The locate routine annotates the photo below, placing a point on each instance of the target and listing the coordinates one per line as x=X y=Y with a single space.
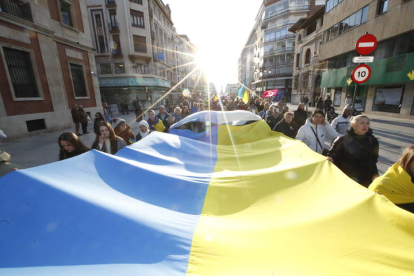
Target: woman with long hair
x=397 y=184
x=70 y=145
x=356 y=153
x=106 y=140
x=98 y=119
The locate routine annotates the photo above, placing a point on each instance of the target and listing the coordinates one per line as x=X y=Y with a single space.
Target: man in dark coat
x=83 y=117
x=287 y=126
x=327 y=104
x=76 y=118
x=163 y=116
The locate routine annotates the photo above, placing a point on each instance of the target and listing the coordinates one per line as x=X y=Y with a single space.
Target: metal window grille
x=21 y=73
x=78 y=80
x=17 y=8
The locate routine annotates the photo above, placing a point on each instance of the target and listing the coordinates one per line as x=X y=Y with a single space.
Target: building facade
x=308 y=69
x=46 y=65
x=232 y=90
x=140 y=57
x=268 y=55
x=390 y=89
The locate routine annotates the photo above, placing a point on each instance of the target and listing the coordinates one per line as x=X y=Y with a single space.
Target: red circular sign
x=361 y=73
x=366 y=44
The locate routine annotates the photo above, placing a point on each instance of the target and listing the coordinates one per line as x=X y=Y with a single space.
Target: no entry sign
x=366 y=44
x=361 y=73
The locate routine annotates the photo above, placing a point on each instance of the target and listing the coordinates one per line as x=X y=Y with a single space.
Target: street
x=393 y=136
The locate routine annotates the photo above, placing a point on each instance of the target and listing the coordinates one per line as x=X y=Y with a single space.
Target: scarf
x=152 y=124
x=396 y=185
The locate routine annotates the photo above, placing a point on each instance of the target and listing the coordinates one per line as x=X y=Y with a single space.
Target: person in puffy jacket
x=397 y=184
x=342 y=123
x=154 y=123
x=315 y=132
x=287 y=126
x=356 y=153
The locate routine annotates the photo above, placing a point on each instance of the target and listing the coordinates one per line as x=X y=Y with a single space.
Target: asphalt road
x=393 y=135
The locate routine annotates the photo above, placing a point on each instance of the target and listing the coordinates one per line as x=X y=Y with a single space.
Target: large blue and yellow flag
x=235 y=199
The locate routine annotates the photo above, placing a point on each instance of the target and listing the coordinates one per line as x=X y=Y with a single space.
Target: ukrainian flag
x=236 y=199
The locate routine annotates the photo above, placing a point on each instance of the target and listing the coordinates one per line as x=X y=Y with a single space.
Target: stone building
x=46 y=65
x=139 y=55
x=390 y=89
x=270 y=48
x=308 y=70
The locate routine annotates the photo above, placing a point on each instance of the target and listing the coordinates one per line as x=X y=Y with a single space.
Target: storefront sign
x=122 y=82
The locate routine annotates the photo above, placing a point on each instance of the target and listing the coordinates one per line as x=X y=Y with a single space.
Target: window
x=78 y=80
x=348 y=23
x=330 y=4
x=140 y=44
x=137 y=19
x=116 y=45
x=136 y=1
x=100 y=40
x=307 y=56
x=383 y=6
x=119 y=68
x=113 y=22
x=297 y=60
x=35 y=125
x=65 y=13
x=21 y=73
x=299 y=38
x=106 y=68
x=388 y=99
x=141 y=68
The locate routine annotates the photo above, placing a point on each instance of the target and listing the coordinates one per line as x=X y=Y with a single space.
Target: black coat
x=300 y=117
x=357 y=156
x=165 y=121
x=272 y=120
x=289 y=130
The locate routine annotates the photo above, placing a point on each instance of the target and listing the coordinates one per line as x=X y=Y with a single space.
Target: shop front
x=132 y=90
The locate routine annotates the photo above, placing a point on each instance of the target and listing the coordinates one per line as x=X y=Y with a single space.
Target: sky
x=219 y=29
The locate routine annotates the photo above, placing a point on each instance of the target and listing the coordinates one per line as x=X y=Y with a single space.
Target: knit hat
x=348 y=107
x=118 y=122
x=143 y=123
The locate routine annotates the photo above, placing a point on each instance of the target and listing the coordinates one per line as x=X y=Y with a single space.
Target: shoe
x=79 y=134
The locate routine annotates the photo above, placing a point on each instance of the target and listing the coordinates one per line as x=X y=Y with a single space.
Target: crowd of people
x=347 y=141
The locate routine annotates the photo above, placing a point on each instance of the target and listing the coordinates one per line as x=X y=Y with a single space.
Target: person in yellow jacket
x=155 y=124
x=397 y=184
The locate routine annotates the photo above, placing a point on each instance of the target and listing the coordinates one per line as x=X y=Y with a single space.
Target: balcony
x=111 y=3
x=113 y=27
x=279 y=50
x=17 y=8
x=117 y=53
x=280 y=38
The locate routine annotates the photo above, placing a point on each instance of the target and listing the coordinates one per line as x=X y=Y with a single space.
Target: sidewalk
x=44 y=149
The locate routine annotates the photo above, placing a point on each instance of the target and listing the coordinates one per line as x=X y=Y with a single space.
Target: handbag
x=324 y=150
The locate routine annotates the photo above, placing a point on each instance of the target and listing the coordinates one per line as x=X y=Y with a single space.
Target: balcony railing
x=17 y=8
x=287 y=9
x=276 y=51
x=280 y=38
x=110 y=3
x=113 y=27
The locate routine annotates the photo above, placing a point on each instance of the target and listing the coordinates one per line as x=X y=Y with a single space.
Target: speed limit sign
x=361 y=73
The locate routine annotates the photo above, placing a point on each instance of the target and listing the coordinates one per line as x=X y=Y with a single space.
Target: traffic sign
x=361 y=73
x=366 y=44
x=363 y=59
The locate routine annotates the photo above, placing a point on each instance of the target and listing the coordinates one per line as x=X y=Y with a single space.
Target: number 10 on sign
x=361 y=73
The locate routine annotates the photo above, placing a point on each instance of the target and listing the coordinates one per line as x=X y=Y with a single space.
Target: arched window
x=307 y=56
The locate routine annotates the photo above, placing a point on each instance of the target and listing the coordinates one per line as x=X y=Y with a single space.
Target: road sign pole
x=355 y=91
